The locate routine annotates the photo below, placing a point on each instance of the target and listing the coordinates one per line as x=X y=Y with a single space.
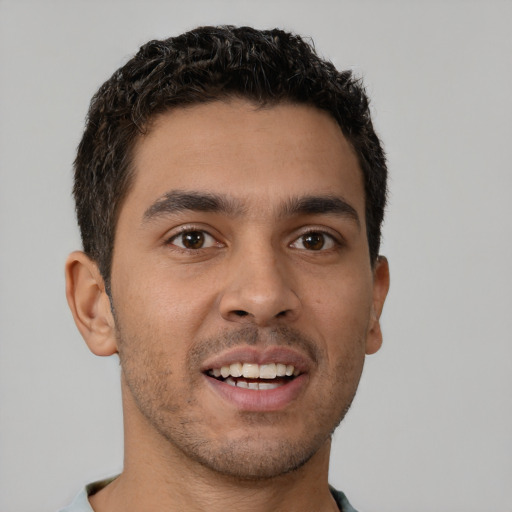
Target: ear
x=90 y=304
x=380 y=290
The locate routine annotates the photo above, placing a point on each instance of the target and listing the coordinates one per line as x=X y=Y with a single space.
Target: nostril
x=281 y=314
x=239 y=312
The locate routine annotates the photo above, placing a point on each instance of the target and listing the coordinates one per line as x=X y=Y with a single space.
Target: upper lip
x=246 y=354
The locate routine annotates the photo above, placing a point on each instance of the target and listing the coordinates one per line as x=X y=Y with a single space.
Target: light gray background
x=431 y=426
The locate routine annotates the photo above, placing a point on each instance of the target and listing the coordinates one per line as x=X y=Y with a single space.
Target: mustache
x=282 y=336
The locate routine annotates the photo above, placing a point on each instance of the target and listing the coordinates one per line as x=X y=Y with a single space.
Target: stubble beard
x=173 y=412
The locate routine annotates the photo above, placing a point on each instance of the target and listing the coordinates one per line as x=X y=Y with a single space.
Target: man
x=230 y=190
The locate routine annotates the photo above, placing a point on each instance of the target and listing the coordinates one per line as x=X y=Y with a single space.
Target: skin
x=256 y=282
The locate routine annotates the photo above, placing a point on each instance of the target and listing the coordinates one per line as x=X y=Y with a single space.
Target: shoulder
x=341 y=500
x=81 y=501
x=79 y=504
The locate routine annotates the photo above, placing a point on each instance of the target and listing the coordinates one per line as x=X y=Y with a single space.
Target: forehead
x=260 y=156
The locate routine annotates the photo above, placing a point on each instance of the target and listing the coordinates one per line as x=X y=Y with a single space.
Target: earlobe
x=90 y=304
x=380 y=291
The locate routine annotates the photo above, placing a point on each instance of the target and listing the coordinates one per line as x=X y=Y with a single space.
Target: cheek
x=345 y=316
x=344 y=301
x=166 y=300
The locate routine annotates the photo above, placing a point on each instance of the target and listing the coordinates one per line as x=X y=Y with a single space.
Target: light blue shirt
x=79 y=504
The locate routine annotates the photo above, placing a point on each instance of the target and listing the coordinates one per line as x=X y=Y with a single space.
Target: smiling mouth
x=255 y=376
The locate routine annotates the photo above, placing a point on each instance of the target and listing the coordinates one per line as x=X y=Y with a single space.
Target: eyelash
x=189 y=230
x=335 y=240
x=328 y=238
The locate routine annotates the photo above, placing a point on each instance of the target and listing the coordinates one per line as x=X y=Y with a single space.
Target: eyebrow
x=320 y=205
x=178 y=201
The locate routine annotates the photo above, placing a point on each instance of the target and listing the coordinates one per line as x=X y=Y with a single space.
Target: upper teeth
x=255 y=371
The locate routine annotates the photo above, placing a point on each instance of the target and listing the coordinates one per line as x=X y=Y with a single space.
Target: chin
x=257 y=461
x=254 y=456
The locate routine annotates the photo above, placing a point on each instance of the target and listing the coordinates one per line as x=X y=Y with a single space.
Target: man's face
x=241 y=248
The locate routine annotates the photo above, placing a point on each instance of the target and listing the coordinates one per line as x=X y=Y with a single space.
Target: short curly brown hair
x=203 y=65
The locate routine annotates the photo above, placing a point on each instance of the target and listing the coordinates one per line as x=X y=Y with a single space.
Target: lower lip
x=265 y=400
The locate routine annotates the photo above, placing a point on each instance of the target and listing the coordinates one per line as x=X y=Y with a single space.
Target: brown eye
x=193 y=240
x=314 y=241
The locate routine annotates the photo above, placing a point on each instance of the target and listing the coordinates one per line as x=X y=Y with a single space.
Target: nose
x=259 y=290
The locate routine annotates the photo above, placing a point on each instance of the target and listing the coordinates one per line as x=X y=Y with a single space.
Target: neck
x=158 y=476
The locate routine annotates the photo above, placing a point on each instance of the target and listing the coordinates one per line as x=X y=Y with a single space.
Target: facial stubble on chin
x=173 y=412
